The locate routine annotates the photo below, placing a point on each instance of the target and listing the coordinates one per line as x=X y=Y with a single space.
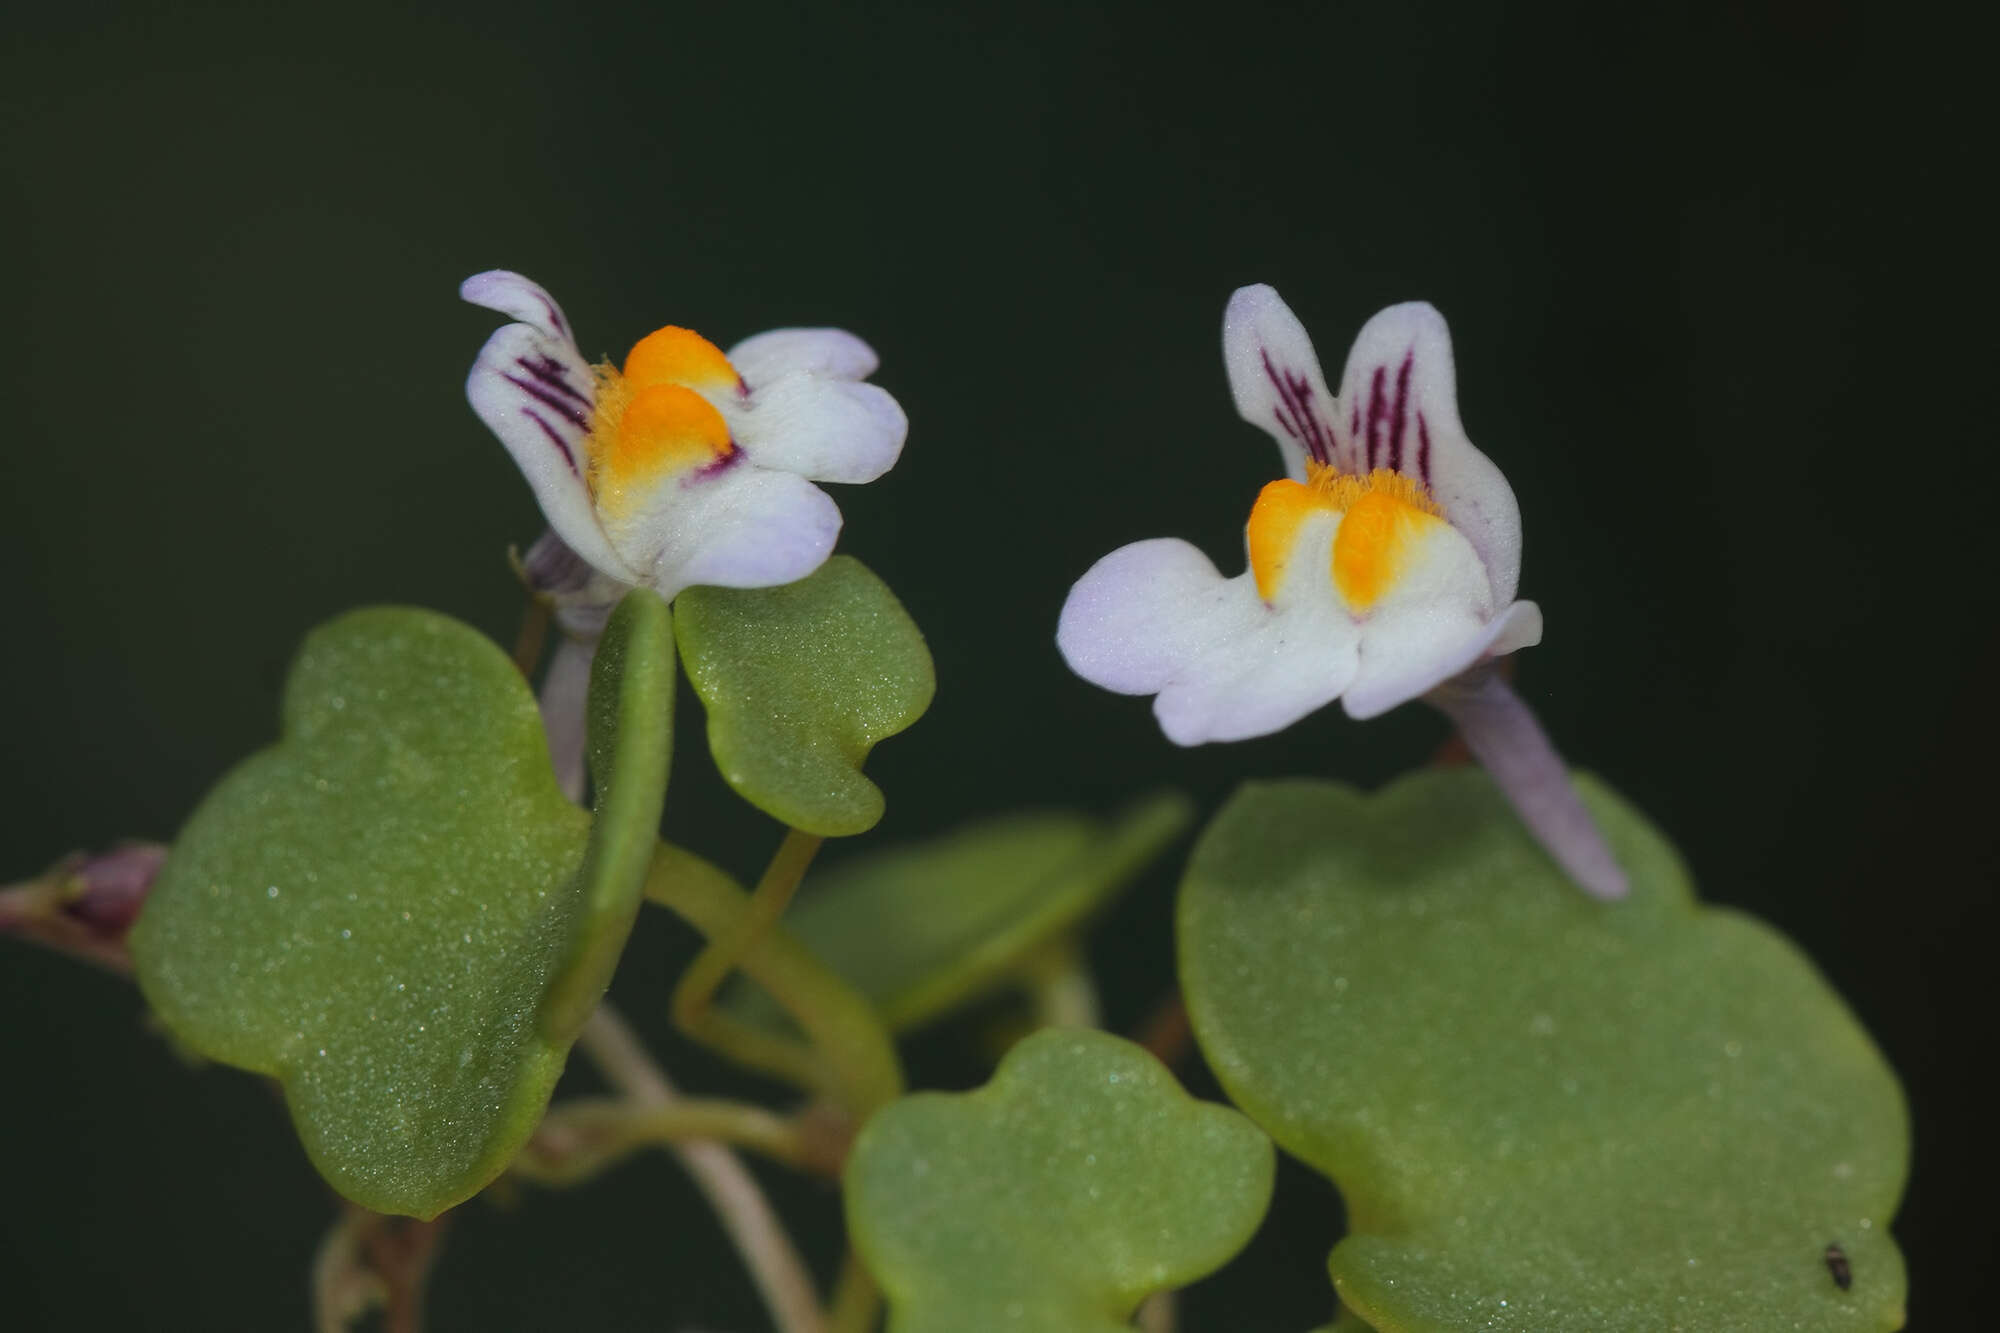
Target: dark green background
x=1715 y=313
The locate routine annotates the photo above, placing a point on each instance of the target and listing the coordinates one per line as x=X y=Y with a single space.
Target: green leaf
x=395 y=912
x=1056 y=1198
x=922 y=929
x=1545 y=1112
x=800 y=682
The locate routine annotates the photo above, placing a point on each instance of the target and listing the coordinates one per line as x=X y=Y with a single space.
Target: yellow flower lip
x=1384 y=516
x=655 y=417
x=674 y=355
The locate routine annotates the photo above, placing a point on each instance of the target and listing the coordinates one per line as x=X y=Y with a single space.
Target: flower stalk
x=1504 y=735
x=849 y=1055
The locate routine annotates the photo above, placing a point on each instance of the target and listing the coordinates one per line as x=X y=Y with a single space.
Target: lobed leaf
x=1545 y=1112
x=800 y=682
x=1077 y=1182
x=395 y=912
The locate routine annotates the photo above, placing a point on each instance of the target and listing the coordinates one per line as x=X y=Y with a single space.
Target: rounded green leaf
x=800 y=682
x=395 y=912
x=1545 y=1112
x=1079 y=1181
x=922 y=929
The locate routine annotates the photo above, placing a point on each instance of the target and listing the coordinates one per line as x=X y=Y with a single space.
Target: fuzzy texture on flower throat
x=1382 y=516
x=651 y=420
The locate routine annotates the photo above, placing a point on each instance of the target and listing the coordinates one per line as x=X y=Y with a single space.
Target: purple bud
x=85 y=904
x=581 y=595
x=111 y=887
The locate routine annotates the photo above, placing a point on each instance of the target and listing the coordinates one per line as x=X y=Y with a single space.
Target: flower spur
x=1382 y=568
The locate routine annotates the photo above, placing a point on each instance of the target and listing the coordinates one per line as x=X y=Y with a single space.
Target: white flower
x=1383 y=565
x=685 y=465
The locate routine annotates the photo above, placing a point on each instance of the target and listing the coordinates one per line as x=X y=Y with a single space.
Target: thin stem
x=857 y=1302
x=1156 y=1315
x=343 y=1288
x=767 y=903
x=1504 y=736
x=580 y=1138
x=773 y=1261
x=534 y=633
x=1064 y=992
x=370 y=1261
x=1167 y=1032
x=851 y=1059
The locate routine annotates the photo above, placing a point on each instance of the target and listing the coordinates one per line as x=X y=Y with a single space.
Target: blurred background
x=1715 y=311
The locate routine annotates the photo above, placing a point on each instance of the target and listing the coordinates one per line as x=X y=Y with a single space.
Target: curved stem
x=857 y=1302
x=371 y=1261
x=697 y=987
x=343 y=1289
x=773 y=1261
x=580 y=1138
x=851 y=1059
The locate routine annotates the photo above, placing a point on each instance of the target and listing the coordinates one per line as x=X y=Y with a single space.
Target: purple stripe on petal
x=555 y=315
x=1423 y=449
x=554 y=438
x=1295 y=392
x=1377 y=411
x=1399 y=424
x=549 y=371
x=709 y=471
x=554 y=402
x=1287 y=410
x=551 y=567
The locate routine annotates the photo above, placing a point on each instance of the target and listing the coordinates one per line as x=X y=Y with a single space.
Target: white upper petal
x=1399 y=401
x=535 y=392
x=824 y=429
x=744 y=527
x=1275 y=378
x=518 y=298
x=834 y=353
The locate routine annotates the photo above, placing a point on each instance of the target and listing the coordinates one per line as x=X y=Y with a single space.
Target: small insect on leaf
x=1836 y=1264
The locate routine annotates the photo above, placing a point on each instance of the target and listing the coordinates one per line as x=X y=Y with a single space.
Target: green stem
x=1064 y=992
x=857 y=1302
x=773 y=894
x=579 y=1139
x=851 y=1058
